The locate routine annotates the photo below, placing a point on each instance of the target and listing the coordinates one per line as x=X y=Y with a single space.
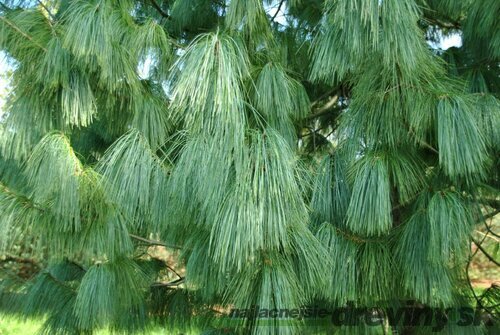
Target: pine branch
x=153 y=242
x=494 y=203
x=428 y=146
x=423 y=142
x=244 y=139
x=159 y=10
x=81 y=267
x=25 y=201
x=325 y=109
x=313 y=132
x=13 y=26
x=4 y=6
x=480 y=247
x=478 y=300
x=58 y=282
x=176 y=282
x=325 y=95
x=167 y=265
x=47 y=9
x=449 y=24
x=479 y=244
x=489 y=216
x=362 y=239
x=488 y=228
x=17 y=259
x=277 y=11
x=173 y=270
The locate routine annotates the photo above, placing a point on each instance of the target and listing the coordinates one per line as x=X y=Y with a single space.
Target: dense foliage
x=167 y=161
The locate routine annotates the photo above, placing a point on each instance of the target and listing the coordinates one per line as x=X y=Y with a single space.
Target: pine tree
x=282 y=154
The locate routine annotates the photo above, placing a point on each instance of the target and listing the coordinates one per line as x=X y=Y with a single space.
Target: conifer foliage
x=166 y=161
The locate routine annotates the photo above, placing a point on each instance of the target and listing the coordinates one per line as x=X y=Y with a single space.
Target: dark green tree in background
x=167 y=161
